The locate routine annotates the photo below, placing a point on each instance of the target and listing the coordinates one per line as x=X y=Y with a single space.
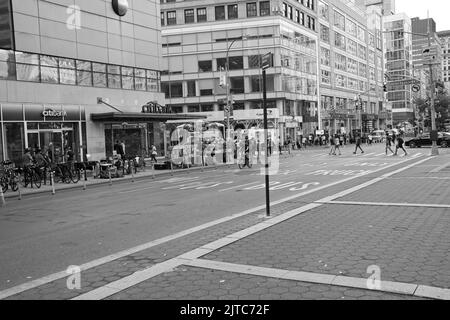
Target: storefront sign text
x=54 y=114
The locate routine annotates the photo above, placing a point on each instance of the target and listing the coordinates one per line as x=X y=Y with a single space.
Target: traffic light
x=385 y=87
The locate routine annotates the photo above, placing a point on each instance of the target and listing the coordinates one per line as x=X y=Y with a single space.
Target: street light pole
x=434 y=148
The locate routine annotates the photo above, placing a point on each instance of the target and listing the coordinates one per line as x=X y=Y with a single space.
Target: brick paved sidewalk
x=335 y=243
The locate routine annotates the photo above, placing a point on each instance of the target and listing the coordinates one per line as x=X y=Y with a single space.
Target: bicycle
x=31 y=177
x=246 y=162
x=9 y=177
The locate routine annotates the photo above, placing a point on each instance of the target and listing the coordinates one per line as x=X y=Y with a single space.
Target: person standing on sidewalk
x=399 y=145
x=358 y=144
x=153 y=154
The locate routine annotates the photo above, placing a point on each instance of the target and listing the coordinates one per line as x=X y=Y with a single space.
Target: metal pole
x=153 y=170
x=109 y=174
x=83 y=171
x=267 y=145
x=2 y=197
x=132 y=170
x=52 y=180
x=17 y=179
x=434 y=147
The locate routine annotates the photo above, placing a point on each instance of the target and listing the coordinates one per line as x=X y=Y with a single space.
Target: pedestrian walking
x=388 y=143
x=337 y=144
x=399 y=145
x=153 y=154
x=332 y=147
x=358 y=144
x=370 y=139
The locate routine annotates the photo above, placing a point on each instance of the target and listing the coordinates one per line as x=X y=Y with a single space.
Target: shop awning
x=134 y=117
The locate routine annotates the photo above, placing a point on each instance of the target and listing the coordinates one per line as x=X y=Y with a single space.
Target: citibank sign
x=120 y=7
x=54 y=114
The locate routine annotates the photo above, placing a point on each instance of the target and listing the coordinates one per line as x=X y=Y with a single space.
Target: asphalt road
x=42 y=234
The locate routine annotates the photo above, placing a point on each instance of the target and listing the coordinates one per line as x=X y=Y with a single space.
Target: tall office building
x=58 y=57
x=431 y=46
x=351 y=63
x=198 y=36
x=398 y=50
x=444 y=37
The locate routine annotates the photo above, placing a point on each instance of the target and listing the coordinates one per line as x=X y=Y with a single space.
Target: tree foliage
x=442 y=107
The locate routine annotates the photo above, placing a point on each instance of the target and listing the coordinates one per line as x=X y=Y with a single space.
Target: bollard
x=18 y=187
x=2 y=197
x=132 y=171
x=109 y=174
x=171 y=168
x=85 y=179
x=153 y=170
x=52 y=181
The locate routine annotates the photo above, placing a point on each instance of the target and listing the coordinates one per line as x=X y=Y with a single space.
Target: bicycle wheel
x=13 y=184
x=36 y=180
x=75 y=175
x=4 y=184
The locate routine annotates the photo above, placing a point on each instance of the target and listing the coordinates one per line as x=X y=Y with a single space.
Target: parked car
x=425 y=140
x=378 y=136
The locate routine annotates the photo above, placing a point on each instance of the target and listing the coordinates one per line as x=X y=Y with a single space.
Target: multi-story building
x=58 y=57
x=386 y=7
x=398 y=51
x=351 y=63
x=421 y=28
x=444 y=37
x=198 y=36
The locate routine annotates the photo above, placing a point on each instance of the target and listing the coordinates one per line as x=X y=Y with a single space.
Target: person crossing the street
x=388 y=143
x=399 y=145
x=358 y=144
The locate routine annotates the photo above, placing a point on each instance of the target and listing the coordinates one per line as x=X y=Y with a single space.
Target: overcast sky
x=439 y=10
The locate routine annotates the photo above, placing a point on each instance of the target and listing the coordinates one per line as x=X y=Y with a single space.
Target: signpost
x=267 y=62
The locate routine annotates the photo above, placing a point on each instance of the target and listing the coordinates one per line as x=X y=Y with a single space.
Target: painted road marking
x=310 y=277
x=240 y=186
x=98 y=262
x=338 y=172
x=130 y=281
x=388 y=204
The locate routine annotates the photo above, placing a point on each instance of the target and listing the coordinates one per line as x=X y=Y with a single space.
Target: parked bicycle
x=9 y=176
x=31 y=177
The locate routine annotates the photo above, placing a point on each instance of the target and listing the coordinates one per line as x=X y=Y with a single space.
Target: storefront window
x=15 y=142
x=1 y=142
x=7 y=66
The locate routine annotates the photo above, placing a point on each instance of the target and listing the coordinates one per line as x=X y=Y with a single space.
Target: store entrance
x=55 y=142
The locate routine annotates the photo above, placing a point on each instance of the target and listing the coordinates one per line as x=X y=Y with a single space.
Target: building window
x=232 y=11
x=67 y=72
x=252 y=10
x=289 y=15
x=362 y=52
x=264 y=8
x=340 y=62
x=302 y=18
x=205 y=66
x=324 y=33
x=285 y=13
x=171 y=18
x=114 y=79
x=352 y=28
x=255 y=84
x=194 y=108
x=341 y=81
x=352 y=47
x=237 y=85
x=254 y=61
x=176 y=90
x=189 y=16
x=324 y=56
x=236 y=63
x=201 y=15
x=297 y=16
x=162 y=19
x=339 y=41
x=311 y=23
x=49 y=69
x=326 y=77
x=191 y=88
x=339 y=20
x=99 y=75
x=323 y=10
x=220 y=13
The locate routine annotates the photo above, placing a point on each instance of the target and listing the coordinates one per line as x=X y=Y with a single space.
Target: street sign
x=415 y=88
x=267 y=61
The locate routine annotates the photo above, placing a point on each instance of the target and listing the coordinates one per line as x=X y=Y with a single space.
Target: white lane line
x=387 y=204
x=240 y=186
x=132 y=280
x=440 y=168
x=308 y=277
x=95 y=263
x=432 y=292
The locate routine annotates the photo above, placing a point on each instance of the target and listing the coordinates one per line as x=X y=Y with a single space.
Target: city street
x=336 y=221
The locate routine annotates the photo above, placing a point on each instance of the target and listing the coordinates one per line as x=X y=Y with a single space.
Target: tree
x=441 y=105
